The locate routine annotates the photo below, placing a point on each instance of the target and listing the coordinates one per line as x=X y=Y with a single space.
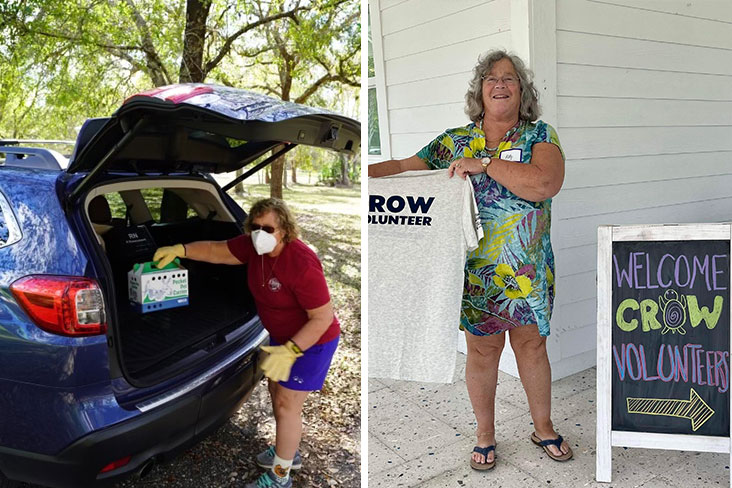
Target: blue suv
x=91 y=389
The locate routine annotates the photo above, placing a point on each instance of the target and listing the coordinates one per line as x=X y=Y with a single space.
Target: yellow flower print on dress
x=474 y=147
x=513 y=286
x=477 y=144
x=503 y=146
x=448 y=143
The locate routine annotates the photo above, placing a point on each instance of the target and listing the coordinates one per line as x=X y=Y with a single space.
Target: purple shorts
x=309 y=371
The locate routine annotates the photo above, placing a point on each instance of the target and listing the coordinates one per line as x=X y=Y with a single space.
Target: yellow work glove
x=278 y=363
x=165 y=255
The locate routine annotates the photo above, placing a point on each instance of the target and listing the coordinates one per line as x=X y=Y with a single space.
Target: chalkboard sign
x=670 y=337
x=663 y=339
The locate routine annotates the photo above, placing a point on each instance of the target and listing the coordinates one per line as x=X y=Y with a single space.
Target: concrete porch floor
x=421 y=434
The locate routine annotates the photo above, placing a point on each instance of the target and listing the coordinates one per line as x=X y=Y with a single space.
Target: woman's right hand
x=165 y=255
x=464 y=167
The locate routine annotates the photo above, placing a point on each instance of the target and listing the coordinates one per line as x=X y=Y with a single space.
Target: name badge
x=511 y=155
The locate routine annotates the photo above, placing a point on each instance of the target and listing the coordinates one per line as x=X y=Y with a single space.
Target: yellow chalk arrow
x=694 y=408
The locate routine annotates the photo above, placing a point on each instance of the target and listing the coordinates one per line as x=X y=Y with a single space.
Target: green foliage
x=55 y=74
x=300 y=61
x=64 y=61
x=315 y=60
x=374 y=140
x=371 y=69
x=329 y=173
x=354 y=173
x=331 y=170
x=117 y=206
x=153 y=199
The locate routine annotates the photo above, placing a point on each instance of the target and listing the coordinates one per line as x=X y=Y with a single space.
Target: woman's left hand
x=464 y=167
x=278 y=364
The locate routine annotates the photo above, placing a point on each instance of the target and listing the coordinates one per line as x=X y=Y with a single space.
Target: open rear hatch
x=202 y=128
x=180 y=132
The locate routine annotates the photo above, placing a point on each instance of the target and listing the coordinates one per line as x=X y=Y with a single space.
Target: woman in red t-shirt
x=287 y=282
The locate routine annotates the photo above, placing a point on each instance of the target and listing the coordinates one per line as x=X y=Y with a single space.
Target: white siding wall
x=429 y=49
x=644 y=107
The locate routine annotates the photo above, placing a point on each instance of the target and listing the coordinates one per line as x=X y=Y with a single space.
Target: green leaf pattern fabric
x=509 y=278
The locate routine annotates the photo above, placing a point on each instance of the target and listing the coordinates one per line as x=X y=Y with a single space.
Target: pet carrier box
x=153 y=289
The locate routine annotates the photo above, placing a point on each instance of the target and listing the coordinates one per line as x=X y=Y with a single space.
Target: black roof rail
x=15 y=142
x=32 y=157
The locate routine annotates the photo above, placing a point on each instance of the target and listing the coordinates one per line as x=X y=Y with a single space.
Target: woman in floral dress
x=516 y=165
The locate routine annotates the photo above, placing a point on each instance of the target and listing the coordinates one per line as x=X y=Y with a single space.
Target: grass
x=309 y=197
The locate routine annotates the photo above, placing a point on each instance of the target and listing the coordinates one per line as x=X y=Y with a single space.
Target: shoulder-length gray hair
x=528 y=109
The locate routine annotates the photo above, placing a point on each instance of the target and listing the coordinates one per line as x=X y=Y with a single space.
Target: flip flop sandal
x=552 y=442
x=484 y=451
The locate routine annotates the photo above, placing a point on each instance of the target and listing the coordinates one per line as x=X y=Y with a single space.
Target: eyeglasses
x=267 y=228
x=506 y=80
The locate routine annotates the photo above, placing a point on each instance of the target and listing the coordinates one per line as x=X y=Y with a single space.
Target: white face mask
x=263 y=241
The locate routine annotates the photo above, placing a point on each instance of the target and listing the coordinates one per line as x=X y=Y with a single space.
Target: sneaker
x=269 y=480
x=266 y=458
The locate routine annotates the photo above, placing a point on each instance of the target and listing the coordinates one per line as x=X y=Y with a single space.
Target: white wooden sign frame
x=606 y=437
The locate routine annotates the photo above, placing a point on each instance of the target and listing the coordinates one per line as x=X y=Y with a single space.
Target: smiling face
x=502 y=91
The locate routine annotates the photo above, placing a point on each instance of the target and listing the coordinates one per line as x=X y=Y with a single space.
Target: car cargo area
x=152 y=342
x=157 y=343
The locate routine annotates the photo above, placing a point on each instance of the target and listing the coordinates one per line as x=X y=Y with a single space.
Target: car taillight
x=65 y=305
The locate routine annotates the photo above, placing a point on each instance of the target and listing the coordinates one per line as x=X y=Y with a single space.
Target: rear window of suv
x=164 y=205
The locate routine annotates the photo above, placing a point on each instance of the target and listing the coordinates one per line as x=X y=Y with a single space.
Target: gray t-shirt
x=421 y=224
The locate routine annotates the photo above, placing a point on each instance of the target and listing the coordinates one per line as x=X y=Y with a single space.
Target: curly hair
x=528 y=109
x=284 y=216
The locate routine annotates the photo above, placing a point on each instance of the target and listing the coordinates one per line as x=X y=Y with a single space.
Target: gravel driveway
x=226 y=458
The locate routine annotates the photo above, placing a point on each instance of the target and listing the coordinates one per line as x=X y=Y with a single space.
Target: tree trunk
x=239 y=188
x=344 y=180
x=275 y=177
x=277 y=167
x=191 y=65
x=267 y=177
x=293 y=164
